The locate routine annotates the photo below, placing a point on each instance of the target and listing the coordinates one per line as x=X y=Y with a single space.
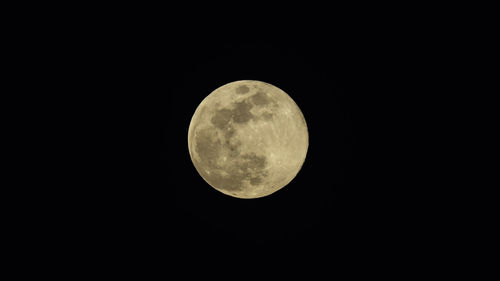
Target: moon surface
x=248 y=139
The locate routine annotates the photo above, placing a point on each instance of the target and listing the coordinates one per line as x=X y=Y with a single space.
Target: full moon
x=248 y=139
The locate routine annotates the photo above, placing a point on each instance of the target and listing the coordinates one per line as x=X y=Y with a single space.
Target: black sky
x=129 y=86
x=346 y=194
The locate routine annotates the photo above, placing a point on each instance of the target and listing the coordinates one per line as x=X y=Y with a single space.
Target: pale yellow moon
x=248 y=139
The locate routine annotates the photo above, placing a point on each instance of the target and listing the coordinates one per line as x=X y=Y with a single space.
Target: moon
x=248 y=139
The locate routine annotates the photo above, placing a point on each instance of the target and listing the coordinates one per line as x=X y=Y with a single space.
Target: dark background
x=354 y=190
x=128 y=86
x=362 y=188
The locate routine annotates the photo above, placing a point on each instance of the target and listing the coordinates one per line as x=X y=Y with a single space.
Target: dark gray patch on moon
x=209 y=149
x=252 y=166
x=248 y=167
x=241 y=112
x=206 y=147
x=255 y=181
x=260 y=98
x=221 y=118
x=252 y=162
x=243 y=89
